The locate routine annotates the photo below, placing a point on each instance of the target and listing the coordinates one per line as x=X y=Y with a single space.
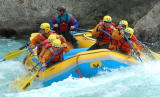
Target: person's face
x=128 y=35
x=121 y=27
x=107 y=24
x=60 y=12
x=42 y=31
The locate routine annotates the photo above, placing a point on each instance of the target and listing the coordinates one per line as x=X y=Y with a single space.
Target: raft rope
x=79 y=72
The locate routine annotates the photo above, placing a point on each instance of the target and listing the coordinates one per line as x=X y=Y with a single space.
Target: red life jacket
x=42 y=38
x=48 y=45
x=103 y=36
x=133 y=38
x=59 y=56
x=63 y=25
x=45 y=42
x=125 y=46
x=115 y=43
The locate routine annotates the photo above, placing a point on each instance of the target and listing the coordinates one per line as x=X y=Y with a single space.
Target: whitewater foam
x=134 y=81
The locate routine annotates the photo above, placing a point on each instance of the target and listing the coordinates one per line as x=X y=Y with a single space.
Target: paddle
x=83 y=30
x=24 y=84
x=12 y=55
x=150 y=53
x=128 y=42
x=24 y=46
x=107 y=33
x=19 y=83
x=132 y=46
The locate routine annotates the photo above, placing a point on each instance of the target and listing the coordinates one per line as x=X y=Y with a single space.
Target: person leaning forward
x=125 y=46
x=41 y=36
x=102 y=39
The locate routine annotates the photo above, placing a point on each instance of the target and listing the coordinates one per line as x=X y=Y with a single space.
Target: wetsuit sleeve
x=73 y=22
x=53 y=21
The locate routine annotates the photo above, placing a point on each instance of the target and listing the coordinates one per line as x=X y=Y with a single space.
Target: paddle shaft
x=132 y=46
x=24 y=46
x=84 y=30
x=39 y=64
x=107 y=33
x=28 y=81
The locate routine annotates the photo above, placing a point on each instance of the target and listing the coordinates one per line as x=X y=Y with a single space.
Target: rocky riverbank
x=22 y=17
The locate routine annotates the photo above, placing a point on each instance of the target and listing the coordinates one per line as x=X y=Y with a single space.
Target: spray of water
x=141 y=80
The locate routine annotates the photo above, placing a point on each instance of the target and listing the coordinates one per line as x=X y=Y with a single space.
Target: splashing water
x=135 y=81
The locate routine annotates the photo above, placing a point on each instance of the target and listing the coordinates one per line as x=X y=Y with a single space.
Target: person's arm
x=95 y=31
x=136 y=48
x=34 y=41
x=53 y=21
x=63 y=40
x=41 y=54
x=139 y=45
x=65 y=47
x=46 y=56
x=74 y=22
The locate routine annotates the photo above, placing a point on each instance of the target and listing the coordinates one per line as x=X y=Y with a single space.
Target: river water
x=135 y=81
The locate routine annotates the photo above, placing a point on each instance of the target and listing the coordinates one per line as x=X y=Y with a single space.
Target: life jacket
x=114 y=45
x=51 y=32
x=33 y=35
x=63 y=24
x=44 y=42
x=125 y=46
x=59 y=56
x=48 y=45
x=133 y=38
x=42 y=37
x=103 y=36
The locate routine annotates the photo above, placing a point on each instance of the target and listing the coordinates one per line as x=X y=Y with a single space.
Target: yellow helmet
x=123 y=22
x=52 y=37
x=107 y=18
x=129 y=31
x=46 y=27
x=33 y=35
x=56 y=43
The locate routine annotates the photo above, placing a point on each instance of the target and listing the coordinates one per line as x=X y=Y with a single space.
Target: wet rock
x=148 y=27
x=7 y=32
x=25 y=16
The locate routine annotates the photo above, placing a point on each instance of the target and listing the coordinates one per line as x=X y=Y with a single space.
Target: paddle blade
x=24 y=83
x=13 y=54
x=155 y=54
